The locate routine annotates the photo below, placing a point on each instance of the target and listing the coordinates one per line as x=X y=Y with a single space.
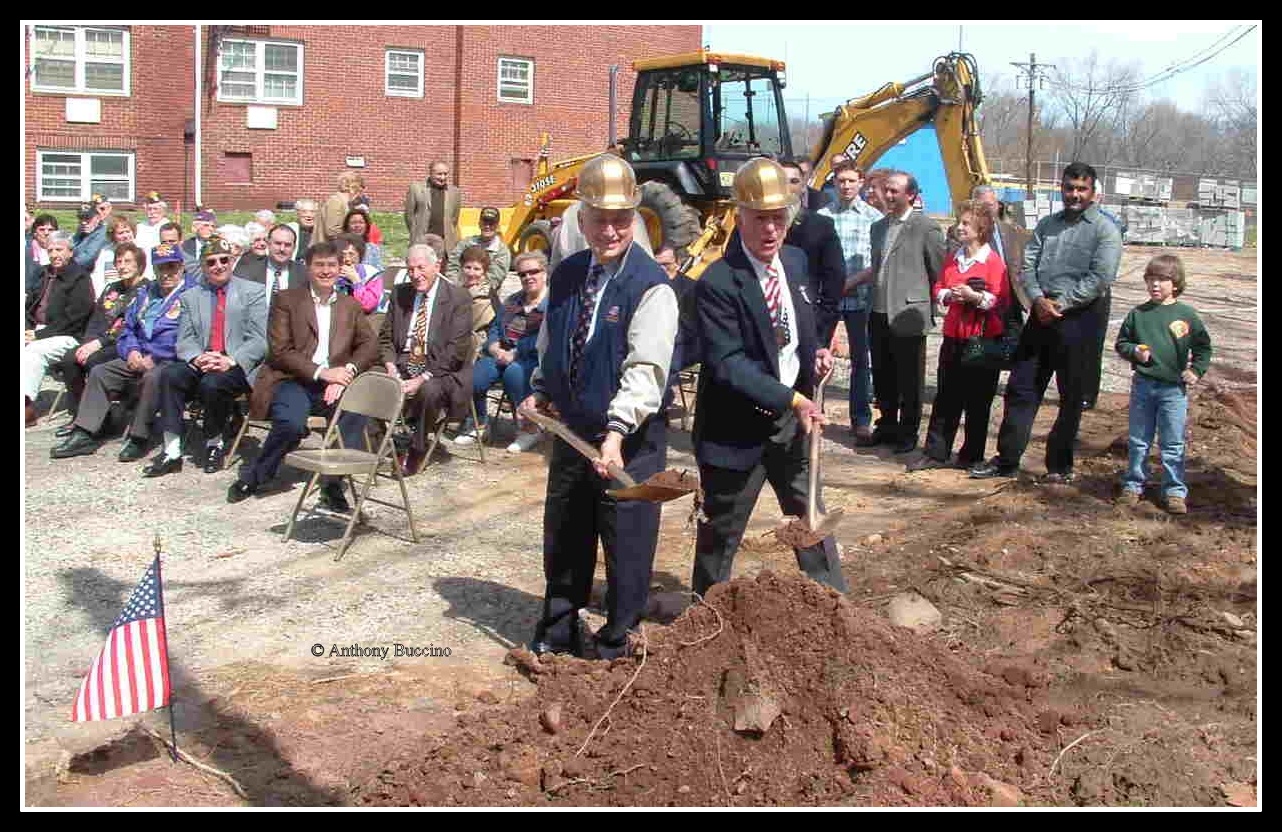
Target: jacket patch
x=1179 y=328
x=174 y=312
x=612 y=315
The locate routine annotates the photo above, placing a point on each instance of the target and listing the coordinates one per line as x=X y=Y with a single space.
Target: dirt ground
x=1086 y=655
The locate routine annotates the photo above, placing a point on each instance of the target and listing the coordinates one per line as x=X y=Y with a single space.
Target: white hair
x=59 y=237
x=306 y=205
x=233 y=234
x=253 y=229
x=266 y=218
x=423 y=249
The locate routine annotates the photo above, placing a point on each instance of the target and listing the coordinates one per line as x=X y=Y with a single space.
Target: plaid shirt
x=854 y=224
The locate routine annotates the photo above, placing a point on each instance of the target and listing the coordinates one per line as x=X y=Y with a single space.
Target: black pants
x=576 y=514
x=899 y=378
x=217 y=393
x=292 y=403
x=729 y=497
x=1064 y=348
x=960 y=389
x=74 y=374
x=1090 y=391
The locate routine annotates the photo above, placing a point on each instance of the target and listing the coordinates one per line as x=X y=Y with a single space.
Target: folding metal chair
x=314 y=423
x=377 y=396
x=441 y=422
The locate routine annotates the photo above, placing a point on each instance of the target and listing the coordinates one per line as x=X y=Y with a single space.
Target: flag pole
x=160 y=593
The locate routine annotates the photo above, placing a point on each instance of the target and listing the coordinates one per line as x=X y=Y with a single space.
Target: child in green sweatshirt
x=1158 y=337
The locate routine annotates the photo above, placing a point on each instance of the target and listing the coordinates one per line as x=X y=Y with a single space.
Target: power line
x=1176 y=68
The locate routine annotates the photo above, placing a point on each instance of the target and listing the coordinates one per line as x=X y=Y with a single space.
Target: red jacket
x=964 y=320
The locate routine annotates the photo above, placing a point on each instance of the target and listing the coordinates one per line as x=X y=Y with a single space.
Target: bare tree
x=1092 y=96
x=1232 y=103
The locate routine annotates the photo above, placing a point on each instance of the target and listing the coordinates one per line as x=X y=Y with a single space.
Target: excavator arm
x=863 y=129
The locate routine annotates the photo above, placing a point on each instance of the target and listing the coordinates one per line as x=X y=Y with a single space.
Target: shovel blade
x=649 y=493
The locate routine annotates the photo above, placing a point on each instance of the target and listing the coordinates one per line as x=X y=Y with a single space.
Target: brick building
x=283 y=109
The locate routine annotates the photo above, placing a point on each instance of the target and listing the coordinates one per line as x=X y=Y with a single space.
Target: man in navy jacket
x=761 y=362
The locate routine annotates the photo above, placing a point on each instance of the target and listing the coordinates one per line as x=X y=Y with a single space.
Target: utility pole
x=1032 y=70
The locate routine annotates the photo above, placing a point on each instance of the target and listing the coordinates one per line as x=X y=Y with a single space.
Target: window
x=75 y=177
x=404 y=73
x=516 y=80
x=260 y=72
x=80 y=59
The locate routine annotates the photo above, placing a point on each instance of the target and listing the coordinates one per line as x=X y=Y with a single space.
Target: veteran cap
x=218 y=245
x=490 y=214
x=166 y=253
x=205 y=215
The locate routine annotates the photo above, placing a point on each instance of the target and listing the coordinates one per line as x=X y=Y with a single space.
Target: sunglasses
x=209 y=261
x=529 y=272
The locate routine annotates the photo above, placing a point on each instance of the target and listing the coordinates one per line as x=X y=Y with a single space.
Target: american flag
x=131 y=674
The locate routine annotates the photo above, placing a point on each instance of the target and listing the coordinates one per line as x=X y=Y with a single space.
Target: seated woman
x=148 y=341
x=357 y=222
x=475 y=263
x=361 y=281
x=361 y=203
x=119 y=232
x=105 y=325
x=509 y=352
x=257 y=233
x=974 y=288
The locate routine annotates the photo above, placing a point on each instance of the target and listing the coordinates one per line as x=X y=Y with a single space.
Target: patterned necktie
x=276 y=282
x=772 y=294
x=417 y=361
x=587 y=305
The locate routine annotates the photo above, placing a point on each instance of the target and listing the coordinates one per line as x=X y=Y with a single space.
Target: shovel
x=804 y=532
x=660 y=488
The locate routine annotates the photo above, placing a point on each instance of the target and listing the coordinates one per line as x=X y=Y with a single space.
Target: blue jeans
x=860 y=367
x=1161 y=407
x=515 y=377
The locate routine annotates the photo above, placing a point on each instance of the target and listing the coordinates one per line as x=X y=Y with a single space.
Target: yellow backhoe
x=697 y=117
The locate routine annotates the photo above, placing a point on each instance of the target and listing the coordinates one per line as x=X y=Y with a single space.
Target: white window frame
x=80 y=58
x=86 y=176
x=508 y=99
x=387 y=72
x=260 y=73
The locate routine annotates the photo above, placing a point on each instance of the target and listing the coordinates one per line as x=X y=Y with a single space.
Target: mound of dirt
x=776 y=691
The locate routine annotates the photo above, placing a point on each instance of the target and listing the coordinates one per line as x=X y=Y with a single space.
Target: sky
x=833 y=61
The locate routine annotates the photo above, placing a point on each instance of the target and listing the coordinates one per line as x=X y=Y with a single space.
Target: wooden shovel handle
x=578 y=443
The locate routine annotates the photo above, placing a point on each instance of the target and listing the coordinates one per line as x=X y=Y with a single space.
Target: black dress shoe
x=161 y=465
x=79 y=443
x=906 y=446
x=332 y=498
x=134 y=450
x=883 y=437
x=214 y=462
x=927 y=463
x=992 y=468
x=240 y=490
x=64 y=431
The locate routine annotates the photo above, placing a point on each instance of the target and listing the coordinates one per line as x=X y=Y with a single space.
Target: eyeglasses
x=529 y=272
x=794 y=181
x=210 y=261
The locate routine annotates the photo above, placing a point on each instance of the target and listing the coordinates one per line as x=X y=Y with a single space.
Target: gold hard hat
x=608 y=182
x=762 y=185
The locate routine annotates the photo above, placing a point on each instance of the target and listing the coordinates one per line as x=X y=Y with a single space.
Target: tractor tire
x=679 y=222
x=537 y=236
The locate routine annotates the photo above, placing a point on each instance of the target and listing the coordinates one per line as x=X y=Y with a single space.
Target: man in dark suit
x=278 y=270
x=57 y=314
x=605 y=348
x=761 y=363
x=426 y=341
x=907 y=258
x=318 y=341
x=222 y=338
x=816 y=235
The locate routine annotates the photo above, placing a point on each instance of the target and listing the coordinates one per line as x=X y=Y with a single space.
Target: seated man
x=105 y=325
x=57 y=313
x=426 y=340
x=489 y=239
x=222 y=336
x=146 y=344
x=279 y=270
x=318 y=342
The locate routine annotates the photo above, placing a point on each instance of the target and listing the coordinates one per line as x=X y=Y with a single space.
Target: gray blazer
x=246 y=320
x=913 y=263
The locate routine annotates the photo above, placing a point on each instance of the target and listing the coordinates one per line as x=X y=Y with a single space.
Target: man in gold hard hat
x=605 y=349
x=761 y=362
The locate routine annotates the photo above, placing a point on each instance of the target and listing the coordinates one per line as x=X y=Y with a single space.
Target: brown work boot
x=1176 y=505
x=1128 y=499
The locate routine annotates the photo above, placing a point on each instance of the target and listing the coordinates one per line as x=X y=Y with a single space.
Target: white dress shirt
x=789 y=362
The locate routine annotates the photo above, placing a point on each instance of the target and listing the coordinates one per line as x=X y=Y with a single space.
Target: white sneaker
x=524 y=442
x=470 y=436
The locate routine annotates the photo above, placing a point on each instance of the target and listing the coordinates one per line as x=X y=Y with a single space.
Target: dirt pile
x=777 y=691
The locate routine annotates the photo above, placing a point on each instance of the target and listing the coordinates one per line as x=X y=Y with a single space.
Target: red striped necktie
x=772 y=294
